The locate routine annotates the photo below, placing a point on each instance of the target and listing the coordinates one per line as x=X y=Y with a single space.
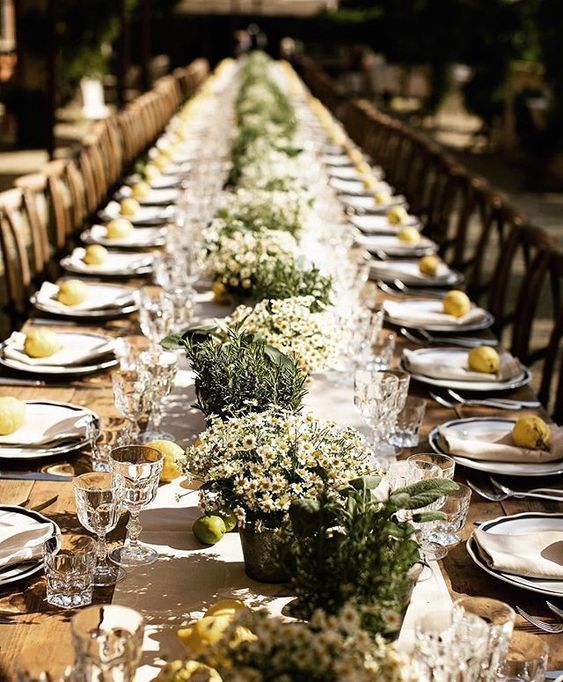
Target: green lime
x=209 y=529
x=229 y=519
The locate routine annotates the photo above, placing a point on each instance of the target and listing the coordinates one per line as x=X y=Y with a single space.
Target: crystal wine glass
x=136 y=469
x=375 y=396
x=162 y=368
x=98 y=509
x=155 y=314
x=130 y=394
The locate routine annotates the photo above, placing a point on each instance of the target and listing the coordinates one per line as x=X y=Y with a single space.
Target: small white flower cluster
x=327 y=649
x=290 y=326
x=258 y=463
x=234 y=255
x=260 y=209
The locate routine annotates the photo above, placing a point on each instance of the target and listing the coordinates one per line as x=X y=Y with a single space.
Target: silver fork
x=554 y=609
x=462 y=341
x=501 y=496
x=457 y=404
x=522 y=493
x=551 y=628
x=503 y=403
x=445 y=403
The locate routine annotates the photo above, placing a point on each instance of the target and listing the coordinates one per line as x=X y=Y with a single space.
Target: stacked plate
x=146 y=216
x=103 y=301
x=428 y=314
x=408 y=273
x=379 y=225
x=22 y=535
x=156 y=197
x=533 y=561
x=349 y=172
x=357 y=187
x=447 y=368
x=165 y=181
x=80 y=353
x=391 y=245
x=116 y=264
x=368 y=205
x=51 y=429
x=147 y=237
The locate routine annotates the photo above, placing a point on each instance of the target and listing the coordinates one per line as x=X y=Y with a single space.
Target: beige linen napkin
x=115 y=262
x=429 y=312
x=45 y=424
x=22 y=543
x=535 y=555
x=501 y=449
x=77 y=348
x=139 y=236
x=98 y=298
x=390 y=269
x=456 y=367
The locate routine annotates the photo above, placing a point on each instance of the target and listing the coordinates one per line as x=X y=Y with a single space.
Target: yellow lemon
x=369 y=183
x=12 y=414
x=209 y=630
x=456 y=303
x=95 y=254
x=161 y=162
x=408 y=235
x=428 y=265
x=382 y=198
x=41 y=343
x=363 y=168
x=141 y=190
x=151 y=172
x=397 y=215
x=182 y=671
x=72 y=291
x=532 y=432
x=225 y=607
x=129 y=206
x=209 y=529
x=171 y=453
x=119 y=228
x=483 y=359
x=355 y=156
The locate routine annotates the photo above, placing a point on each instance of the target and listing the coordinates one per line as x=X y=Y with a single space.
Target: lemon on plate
x=119 y=228
x=72 y=291
x=408 y=234
x=41 y=343
x=397 y=215
x=382 y=198
x=95 y=254
x=483 y=359
x=456 y=303
x=141 y=190
x=532 y=432
x=129 y=206
x=12 y=414
x=428 y=265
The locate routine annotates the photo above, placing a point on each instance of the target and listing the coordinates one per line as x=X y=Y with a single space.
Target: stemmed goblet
x=130 y=388
x=156 y=314
x=375 y=397
x=161 y=367
x=136 y=470
x=98 y=508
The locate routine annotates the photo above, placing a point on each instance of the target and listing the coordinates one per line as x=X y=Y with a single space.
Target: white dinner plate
x=368 y=205
x=117 y=301
x=475 y=428
x=394 y=247
x=23 y=517
x=160 y=182
x=150 y=216
x=350 y=172
x=142 y=238
x=441 y=355
x=337 y=160
x=528 y=522
x=357 y=187
x=116 y=264
x=58 y=412
x=156 y=197
x=379 y=225
x=430 y=304
x=408 y=272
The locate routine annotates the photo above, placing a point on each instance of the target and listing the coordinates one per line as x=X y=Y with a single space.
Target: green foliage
x=352 y=546
x=237 y=372
x=284 y=279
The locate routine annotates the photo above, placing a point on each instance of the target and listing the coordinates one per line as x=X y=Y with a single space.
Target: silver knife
x=33 y=476
x=553 y=674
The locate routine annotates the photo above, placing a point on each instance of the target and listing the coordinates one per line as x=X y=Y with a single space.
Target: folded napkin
x=388 y=242
x=156 y=197
x=99 y=297
x=146 y=215
x=77 y=349
x=454 y=366
x=378 y=224
x=357 y=187
x=115 y=262
x=429 y=312
x=22 y=543
x=145 y=237
x=408 y=270
x=499 y=447
x=368 y=203
x=46 y=424
x=534 y=555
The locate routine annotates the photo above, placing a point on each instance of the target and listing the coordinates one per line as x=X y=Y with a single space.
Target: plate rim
x=486 y=323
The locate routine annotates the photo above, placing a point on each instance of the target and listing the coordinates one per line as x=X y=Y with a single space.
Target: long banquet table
x=188 y=577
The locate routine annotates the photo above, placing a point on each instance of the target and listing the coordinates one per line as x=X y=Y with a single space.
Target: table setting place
x=269 y=478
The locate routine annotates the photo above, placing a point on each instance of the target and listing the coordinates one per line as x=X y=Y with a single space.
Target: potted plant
x=257 y=464
x=359 y=545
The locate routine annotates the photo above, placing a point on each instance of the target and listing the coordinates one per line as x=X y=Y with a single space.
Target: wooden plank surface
x=40 y=634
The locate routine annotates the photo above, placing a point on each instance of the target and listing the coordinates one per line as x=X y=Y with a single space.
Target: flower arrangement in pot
x=257 y=464
x=359 y=545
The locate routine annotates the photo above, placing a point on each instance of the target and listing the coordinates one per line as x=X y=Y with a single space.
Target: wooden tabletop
x=40 y=634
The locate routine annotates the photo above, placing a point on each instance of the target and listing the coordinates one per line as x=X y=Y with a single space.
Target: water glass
x=499 y=618
x=525 y=661
x=155 y=314
x=130 y=394
x=455 y=509
x=161 y=367
x=408 y=423
x=69 y=562
x=168 y=270
x=107 y=643
x=98 y=509
x=374 y=396
x=182 y=300
x=136 y=470
x=445 y=463
x=378 y=354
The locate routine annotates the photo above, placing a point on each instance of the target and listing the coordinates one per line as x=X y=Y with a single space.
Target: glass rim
x=55 y=545
x=133 y=621
x=154 y=456
x=78 y=480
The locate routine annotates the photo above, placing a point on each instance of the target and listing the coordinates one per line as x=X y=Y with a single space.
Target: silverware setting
x=422 y=337
x=503 y=403
x=442 y=401
x=42 y=505
x=550 y=628
x=506 y=493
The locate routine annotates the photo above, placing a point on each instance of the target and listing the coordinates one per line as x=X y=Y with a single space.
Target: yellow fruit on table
x=151 y=172
x=428 y=265
x=209 y=529
x=209 y=630
x=141 y=190
x=95 y=254
x=161 y=162
x=456 y=303
x=225 y=607
x=363 y=168
x=72 y=291
x=398 y=216
x=12 y=414
x=355 y=156
x=182 y=671
x=370 y=183
x=119 y=228
x=171 y=453
x=382 y=198
x=129 y=206
x=483 y=359
x=41 y=343
x=532 y=432
x=408 y=235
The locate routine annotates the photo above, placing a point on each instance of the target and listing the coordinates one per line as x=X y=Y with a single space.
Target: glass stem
x=133 y=530
x=101 y=549
x=156 y=416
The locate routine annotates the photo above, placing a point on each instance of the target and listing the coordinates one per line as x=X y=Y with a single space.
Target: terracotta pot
x=260 y=552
